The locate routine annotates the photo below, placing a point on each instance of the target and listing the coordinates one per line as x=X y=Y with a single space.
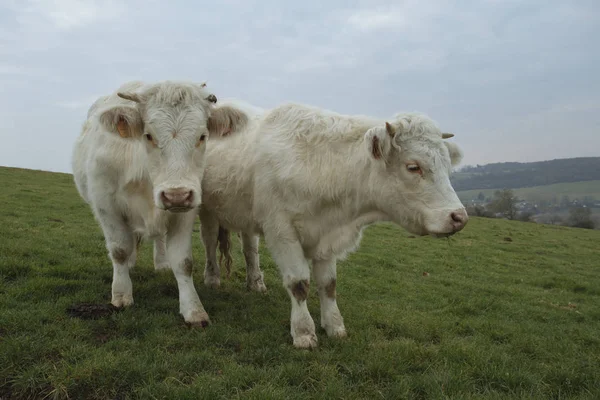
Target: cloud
x=368 y=20
x=11 y=70
x=82 y=103
x=494 y=72
x=65 y=15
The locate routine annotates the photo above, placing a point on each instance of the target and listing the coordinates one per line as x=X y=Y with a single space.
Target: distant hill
x=558 y=193
x=516 y=175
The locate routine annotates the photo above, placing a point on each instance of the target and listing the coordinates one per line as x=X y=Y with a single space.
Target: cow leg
x=254 y=276
x=179 y=257
x=160 y=253
x=209 y=228
x=289 y=256
x=120 y=243
x=324 y=272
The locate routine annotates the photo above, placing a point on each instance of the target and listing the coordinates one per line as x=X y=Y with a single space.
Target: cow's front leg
x=287 y=253
x=254 y=276
x=209 y=229
x=324 y=272
x=179 y=257
x=160 y=253
x=120 y=244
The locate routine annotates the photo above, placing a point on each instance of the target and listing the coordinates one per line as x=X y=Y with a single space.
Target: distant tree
x=504 y=202
x=588 y=200
x=477 y=210
x=525 y=216
x=581 y=217
x=544 y=205
x=555 y=219
x=566 y=201
x=481 y=196
x=549 y=219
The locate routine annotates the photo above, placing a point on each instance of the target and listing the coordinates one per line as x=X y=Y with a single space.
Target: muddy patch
x=91 y=310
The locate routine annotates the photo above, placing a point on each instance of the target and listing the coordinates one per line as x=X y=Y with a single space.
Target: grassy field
x=506 y=310
x=573 y=189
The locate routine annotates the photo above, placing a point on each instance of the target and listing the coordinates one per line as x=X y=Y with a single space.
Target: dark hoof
x=201 y=324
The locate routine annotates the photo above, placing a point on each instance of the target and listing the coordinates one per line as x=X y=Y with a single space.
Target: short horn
x=390 y=129
x=447 y=135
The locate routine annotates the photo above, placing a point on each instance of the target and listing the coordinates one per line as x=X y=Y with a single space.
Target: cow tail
x=225 y=249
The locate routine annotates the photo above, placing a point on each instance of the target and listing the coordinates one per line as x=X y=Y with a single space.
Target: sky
x=513 y=80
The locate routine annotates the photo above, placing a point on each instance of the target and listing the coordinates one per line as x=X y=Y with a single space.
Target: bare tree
x=504 y=202
x=581 y=217
x=526 y=216
x=555 y=219
x=479 y=211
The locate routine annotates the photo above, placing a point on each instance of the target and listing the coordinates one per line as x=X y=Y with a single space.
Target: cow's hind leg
x=289 y=256
x=121 y=246
x=254 y=276
x=324 y=272
x=209 y=229
x=179 y=257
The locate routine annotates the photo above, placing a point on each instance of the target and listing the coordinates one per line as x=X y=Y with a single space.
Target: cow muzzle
x=177 y=199
x=455 y=222
x=459 y=219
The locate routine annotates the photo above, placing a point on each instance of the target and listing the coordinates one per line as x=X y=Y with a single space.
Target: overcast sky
x=514 y=80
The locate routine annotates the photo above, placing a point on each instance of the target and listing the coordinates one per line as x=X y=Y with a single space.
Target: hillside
x=502 y=310
x=547 y=193
x=514 y=175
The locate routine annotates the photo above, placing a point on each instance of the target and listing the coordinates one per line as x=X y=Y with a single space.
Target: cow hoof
x=212 y=282
x=257 y=286
x=197 y=319
x=201 y=324
x=122 y=301
x=336 y=332
x=305 y=341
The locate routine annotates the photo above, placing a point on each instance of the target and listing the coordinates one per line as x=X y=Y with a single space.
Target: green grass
x=508 y=310
x=575 y=190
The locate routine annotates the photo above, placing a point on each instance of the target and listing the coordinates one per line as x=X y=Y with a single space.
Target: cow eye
x=202 y=139
x=149 y=137
x=413 y=168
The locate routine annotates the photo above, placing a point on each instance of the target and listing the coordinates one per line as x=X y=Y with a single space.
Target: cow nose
x=179 y=197
x=459 y=219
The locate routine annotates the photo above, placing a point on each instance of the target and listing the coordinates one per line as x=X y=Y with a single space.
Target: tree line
x=505 y=204
x=518 y=175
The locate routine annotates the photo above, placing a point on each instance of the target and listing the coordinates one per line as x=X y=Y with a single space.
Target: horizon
x=513 y=80
x=457 y=169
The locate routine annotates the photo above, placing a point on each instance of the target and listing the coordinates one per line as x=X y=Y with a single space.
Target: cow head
x=174 y=121
x=412 y=163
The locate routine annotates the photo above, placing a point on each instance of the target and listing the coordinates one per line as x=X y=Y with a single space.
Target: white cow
x=138 y=163
x=310 y=181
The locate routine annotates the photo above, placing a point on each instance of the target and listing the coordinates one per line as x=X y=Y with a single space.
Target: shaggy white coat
x=136 y=144
x=310 y=180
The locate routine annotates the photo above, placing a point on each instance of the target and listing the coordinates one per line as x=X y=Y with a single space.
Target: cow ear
x=378 y=141
x=455 y=152
x=137 y=94
x=122 y=120
x=226 y=120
